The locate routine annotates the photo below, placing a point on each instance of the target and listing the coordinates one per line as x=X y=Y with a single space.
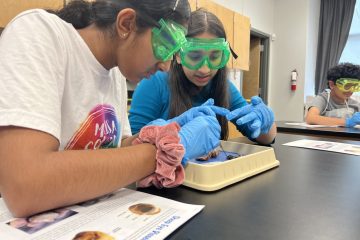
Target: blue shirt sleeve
x=150 y=101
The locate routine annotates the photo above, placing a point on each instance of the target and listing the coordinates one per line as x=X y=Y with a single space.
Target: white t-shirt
x=50 y=81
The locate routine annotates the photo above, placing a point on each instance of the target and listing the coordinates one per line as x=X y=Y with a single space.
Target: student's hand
x=353 y=121
x=206 y=109
x=199 y=136
x=257 y=117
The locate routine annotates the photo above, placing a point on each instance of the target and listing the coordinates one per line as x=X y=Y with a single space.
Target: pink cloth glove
x=169 y=172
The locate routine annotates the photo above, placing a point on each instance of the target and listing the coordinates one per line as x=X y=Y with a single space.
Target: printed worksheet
x=326 y=146
x=304 y=124
x=125 y=214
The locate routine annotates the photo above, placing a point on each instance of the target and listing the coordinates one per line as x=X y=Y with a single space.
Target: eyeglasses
x=348 y=84
x=167 y=39
x=199 y=51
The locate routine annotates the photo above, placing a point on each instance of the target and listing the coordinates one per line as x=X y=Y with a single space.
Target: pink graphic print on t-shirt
x=100 y=130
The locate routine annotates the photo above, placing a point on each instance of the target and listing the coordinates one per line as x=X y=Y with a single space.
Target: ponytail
x=78 y=13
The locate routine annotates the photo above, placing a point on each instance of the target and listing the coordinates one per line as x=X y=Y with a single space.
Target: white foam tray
x=214 y=176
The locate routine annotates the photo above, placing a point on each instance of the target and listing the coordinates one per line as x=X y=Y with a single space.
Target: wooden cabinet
x=10 y=8
x=233 y=132
x=252 y=77
x=241 y=41
x=192 y=5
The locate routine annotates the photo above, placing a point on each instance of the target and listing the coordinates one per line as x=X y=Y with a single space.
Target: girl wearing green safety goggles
x=197 y=74
x=214 y=52
x=159 y=39
x=92 y=45
x=167 y=39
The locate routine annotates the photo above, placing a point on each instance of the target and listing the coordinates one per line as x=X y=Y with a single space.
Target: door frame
x=264 y=62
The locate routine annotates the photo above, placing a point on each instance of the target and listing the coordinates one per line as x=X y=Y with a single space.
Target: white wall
x=260 y=12
x=313 y=29
x=288 y=53
x=295 y=24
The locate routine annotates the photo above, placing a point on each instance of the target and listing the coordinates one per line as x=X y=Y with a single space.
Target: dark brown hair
x=103 y=13
x=182 y=90
x=343 y=70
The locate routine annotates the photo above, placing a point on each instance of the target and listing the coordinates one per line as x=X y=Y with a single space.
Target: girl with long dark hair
x=64 y=93
x=197 y=74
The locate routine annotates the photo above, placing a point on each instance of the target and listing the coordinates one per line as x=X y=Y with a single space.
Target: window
x=351 y=51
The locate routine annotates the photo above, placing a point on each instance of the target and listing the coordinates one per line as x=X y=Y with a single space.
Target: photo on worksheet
x=40 y=221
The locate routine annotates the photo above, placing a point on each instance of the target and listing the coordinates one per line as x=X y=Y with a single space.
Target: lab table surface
x=311 y=195
x=337 y=132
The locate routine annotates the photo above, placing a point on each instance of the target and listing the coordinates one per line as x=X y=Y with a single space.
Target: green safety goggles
x=348 y=84
x=199 y=51
x=167 y=39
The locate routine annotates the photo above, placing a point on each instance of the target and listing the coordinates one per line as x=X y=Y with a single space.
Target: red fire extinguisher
x=294 y=75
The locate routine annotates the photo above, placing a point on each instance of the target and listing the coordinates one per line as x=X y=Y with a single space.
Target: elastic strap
x=169 y=172
x=233 y=53
x=176 y=4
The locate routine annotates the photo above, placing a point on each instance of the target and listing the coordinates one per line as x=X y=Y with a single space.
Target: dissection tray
x=214 y=175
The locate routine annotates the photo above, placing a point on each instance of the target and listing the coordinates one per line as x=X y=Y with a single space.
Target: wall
x=261 y=12
x=294 y=26
x=313 y=29
x=289 y=53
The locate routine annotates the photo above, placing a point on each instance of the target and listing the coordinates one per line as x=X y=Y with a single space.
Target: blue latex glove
x=199 y=137
x=157 y=122
x=353 y=121
x=206 y=109
x=257 y=118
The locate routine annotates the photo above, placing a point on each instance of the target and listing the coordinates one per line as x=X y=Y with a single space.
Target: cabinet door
x=10 y=8
x=192 y=5
x=226 y=16
x=251 y=79
x=233 y=132
x=241 y=41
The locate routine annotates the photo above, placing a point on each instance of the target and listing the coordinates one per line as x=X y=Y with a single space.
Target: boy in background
x=336 y=107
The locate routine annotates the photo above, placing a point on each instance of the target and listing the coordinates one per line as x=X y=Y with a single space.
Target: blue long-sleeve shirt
x=151 y=100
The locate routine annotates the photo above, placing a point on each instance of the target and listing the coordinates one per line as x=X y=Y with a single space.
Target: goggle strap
x=233 y=53
x=176 y=4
